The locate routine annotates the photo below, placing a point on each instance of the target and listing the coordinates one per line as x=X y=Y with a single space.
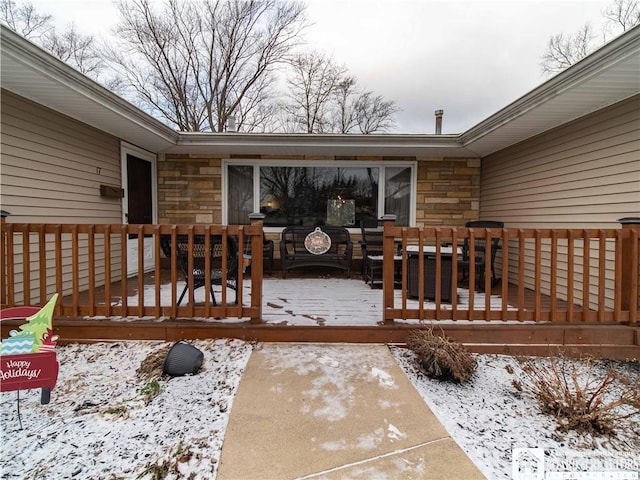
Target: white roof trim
x=29 y=71
x=320 y=144
x=623 y=53
x=33 y=73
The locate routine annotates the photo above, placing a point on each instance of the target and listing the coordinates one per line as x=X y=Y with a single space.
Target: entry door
x=138 y=209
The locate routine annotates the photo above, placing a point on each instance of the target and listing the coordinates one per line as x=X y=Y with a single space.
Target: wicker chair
x=199 y=255
x=480 y=251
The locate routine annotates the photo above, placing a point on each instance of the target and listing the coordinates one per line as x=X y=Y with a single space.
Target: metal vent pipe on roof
x=231 y=123
x=439 y=114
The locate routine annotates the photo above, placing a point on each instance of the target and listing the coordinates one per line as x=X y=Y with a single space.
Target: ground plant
x=440 y=356
x=150 y=391
x=580 y=396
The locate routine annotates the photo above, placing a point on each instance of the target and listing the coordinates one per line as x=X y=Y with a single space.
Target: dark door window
x=140 y=200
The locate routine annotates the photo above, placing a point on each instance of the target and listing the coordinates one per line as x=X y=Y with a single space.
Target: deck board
x=312 y=299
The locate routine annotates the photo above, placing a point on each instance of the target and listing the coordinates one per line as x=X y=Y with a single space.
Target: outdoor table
x=447 y=290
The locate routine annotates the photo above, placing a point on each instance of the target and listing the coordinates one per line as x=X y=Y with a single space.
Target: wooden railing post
x=629 y=289
x=3 y=257
x=257 y=273
x=388 y=267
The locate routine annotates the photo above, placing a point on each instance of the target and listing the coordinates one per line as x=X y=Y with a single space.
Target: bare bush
x=152 y=366
x=581 y=396
x=440 y=356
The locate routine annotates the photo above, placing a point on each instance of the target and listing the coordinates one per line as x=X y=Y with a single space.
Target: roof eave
x=626 y=46
x=132 y=125
x=379 y=145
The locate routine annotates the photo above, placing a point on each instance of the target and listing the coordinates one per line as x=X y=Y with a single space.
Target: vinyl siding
x=51 y=171
x=585 y=174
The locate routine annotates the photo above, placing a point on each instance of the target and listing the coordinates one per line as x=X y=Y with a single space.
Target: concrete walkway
x=311 y=411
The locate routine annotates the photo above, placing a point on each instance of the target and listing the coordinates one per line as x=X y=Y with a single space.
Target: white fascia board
x=320 y=144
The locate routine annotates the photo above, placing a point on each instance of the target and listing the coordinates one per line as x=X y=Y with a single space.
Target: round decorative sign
x=317 y=242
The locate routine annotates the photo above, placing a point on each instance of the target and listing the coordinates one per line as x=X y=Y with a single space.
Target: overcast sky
x=469 y=58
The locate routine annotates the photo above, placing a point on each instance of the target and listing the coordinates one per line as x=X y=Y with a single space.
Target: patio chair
x=267 y=252
x=371 y=245
x=199 y=254
x=480 y=251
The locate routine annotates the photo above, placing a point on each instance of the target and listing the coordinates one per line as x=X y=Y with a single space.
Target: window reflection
x=322 y=195
x=240 y=194
x=318 y=195
x=397 y=199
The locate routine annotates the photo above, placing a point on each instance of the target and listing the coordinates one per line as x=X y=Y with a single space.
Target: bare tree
x=623 y=14
x=564 y=50
x=198 y=64
x=345 y=118
x=75 y=49
x=25 y=20
x=311 y=85
x=78 y=50
x=374 y=113
x=324 y=99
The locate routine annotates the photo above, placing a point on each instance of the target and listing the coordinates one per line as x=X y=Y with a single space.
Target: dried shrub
x=151 y=366
x=581 y=396
x=441 y=357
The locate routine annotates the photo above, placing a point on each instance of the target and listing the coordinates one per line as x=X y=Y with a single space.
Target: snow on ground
x=489 y=421
x=98 y=426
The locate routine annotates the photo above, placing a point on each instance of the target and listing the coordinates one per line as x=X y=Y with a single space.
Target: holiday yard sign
x=28 y=357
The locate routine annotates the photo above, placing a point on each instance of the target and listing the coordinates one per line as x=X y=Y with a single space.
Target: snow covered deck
x=312 y=300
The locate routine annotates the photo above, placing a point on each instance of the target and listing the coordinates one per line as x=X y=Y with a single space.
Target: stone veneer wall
x=448 y=191
x=189 y=189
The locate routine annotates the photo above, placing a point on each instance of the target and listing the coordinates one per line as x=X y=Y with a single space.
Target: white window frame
x=380 y=164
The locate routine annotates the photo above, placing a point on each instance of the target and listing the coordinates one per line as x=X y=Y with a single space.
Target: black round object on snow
x=182 y=359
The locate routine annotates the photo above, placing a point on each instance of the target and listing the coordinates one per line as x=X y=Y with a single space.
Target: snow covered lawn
x=489 y=420
x=99 y=426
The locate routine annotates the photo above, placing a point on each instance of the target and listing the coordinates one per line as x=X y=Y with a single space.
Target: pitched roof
x=605 y=77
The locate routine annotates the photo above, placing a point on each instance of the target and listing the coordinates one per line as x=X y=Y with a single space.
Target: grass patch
x=169 y=466
x=118 y=411
x=150 y=391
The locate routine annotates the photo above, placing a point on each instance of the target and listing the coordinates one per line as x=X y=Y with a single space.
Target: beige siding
x=582 y=175
x=53 y=166
x=51 y=171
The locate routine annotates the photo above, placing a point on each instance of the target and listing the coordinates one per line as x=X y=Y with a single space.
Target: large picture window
x=342 y=195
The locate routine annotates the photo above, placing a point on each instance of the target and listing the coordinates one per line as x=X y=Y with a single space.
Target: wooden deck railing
x=576 y=276
x=88 y=266
x=588 y=276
